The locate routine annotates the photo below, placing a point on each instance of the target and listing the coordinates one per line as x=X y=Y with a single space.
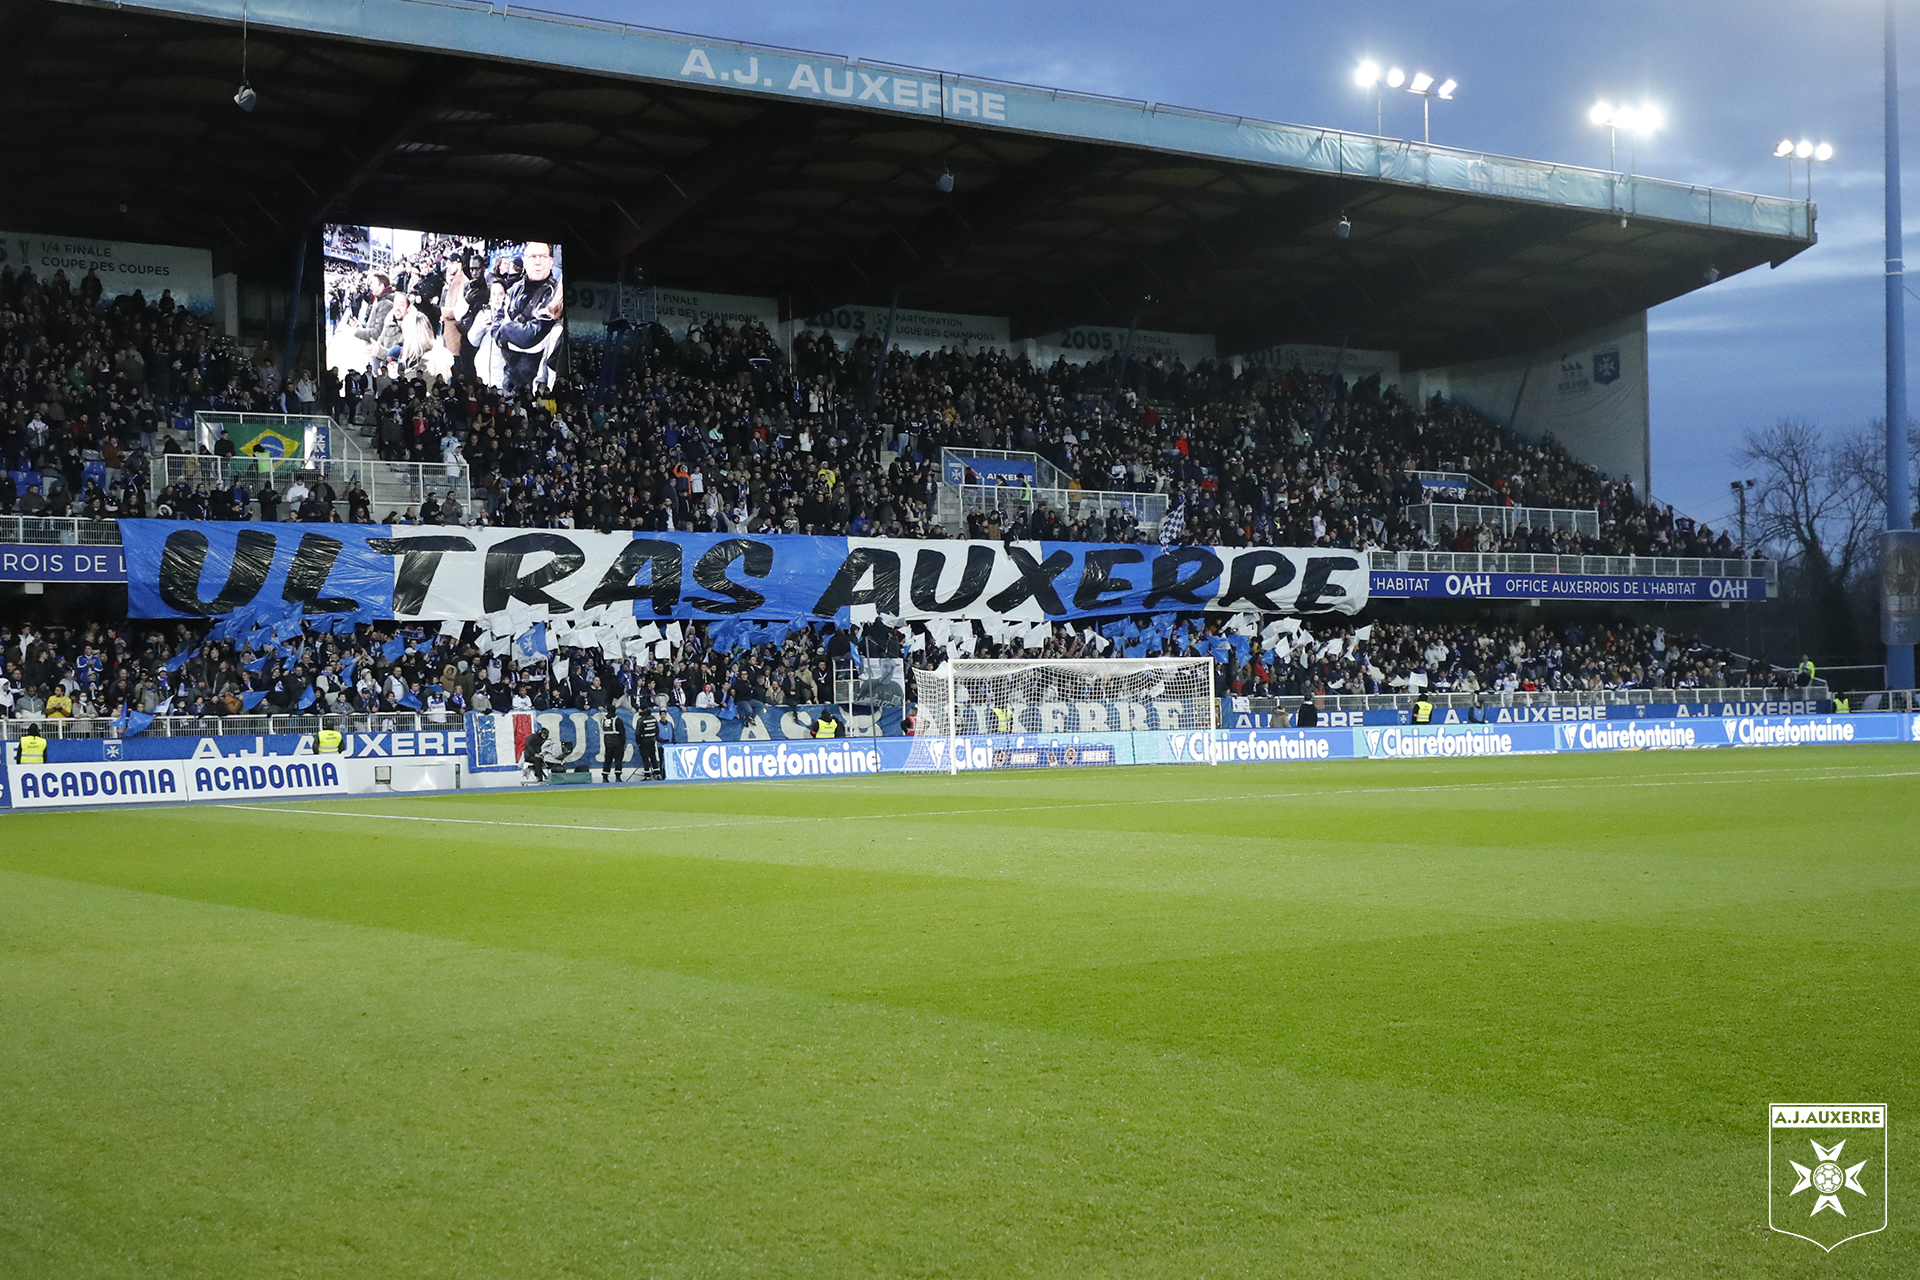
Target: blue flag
x=532 y=646
x=307 y=699
x=393 y=650
x=248 y=701
x=409 y=700
x=258 y=664
x=346 y=670
x=174 y=664
x=130 y=723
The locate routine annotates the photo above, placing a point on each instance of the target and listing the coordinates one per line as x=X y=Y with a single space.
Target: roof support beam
x=635 y=219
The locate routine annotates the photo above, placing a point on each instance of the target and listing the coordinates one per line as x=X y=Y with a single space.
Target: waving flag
x=1173 y=524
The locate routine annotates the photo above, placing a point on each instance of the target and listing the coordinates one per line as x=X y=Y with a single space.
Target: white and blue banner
x=268 y=572
x=172 y=781
x=37 y=562
x=1400 y=584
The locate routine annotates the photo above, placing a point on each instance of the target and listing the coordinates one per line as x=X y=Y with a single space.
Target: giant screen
x=426 y=304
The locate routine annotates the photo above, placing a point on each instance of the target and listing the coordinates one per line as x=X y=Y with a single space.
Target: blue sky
x=1733 y=79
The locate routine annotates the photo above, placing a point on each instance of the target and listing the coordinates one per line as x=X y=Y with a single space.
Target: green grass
x=1474 y=1018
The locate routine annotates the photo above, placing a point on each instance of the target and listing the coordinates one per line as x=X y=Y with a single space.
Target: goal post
x=1064 y=697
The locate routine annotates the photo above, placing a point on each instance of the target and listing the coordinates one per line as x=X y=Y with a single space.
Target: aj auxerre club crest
x=1827 y=1170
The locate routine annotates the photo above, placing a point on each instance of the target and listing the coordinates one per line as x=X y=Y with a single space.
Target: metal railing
x=1589 y=566
x=1144 y=511
x=1045 y=474
x=1455 y=479
x=56 y=531
x=1429 y=517
x=315 y=431
x=1901 y=701
x=238 y=726
x=391 y=486
x=1815 y=692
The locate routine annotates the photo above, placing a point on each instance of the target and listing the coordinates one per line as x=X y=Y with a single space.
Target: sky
x=1733 y=79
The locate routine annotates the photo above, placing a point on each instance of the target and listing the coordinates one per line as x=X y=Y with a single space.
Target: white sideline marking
x=407 y=817
x=1608 y=780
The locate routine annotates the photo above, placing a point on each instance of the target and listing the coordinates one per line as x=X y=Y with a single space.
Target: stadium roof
x=744 y=168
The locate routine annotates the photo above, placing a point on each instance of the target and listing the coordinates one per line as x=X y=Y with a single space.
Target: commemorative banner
x=531 y=576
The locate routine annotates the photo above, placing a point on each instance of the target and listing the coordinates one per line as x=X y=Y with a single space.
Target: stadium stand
x=103 y=671
x=722 y=431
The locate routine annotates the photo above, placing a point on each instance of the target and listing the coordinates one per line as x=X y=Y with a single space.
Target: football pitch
x=1466 y=1018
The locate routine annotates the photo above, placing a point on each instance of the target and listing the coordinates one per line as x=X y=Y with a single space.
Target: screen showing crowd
x=423 y=304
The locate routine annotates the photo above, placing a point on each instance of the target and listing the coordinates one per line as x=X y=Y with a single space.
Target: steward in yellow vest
x=826 y=727
x=1423 y=712
x=33 y=747
x=328 y=742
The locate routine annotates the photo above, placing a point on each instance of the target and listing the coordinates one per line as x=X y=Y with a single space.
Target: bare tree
x=1815 y=504
x=1817 y=510
x=1864 y=454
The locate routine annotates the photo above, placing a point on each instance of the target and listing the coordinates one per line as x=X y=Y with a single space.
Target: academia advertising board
x=171 y=781
x=214 y=570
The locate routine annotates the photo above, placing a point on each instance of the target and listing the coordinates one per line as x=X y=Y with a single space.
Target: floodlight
x=1650 y=118
x=245 y=98
x=1420 y=82
x=1396 y=78
x=1367 y=74
x=1342 y=229
x=1625 y=118
x=1602 y=113
x=944 y=183
x=1823 y=152
x=1785 y=148
x=1711 y=274
x=1803 y=149
x=1446 y=89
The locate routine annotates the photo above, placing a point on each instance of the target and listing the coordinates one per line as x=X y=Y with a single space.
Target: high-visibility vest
x=1423 y=712
x=33 y=750
x=828 y=727
x=328 y=742
x=1003 y=720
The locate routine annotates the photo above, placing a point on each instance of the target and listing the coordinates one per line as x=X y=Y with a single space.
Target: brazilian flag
x=264 y=440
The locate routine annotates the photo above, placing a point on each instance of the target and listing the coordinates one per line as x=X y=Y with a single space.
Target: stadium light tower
x=1369 y=76
x=1899 y=644
x=1803 y=150
x=1637 y=121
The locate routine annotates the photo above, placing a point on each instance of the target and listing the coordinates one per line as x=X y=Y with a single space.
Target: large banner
x=1089 y=343
x=529 y=576
x=914 y=332
x=121 y=266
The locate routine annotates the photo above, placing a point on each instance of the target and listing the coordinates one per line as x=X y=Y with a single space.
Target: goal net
x=1055 y=701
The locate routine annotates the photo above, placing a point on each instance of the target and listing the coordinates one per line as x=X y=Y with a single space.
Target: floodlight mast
x=1899 y=669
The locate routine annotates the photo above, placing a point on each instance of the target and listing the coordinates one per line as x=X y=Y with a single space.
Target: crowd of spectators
x=104 y=670
x=723 y=429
